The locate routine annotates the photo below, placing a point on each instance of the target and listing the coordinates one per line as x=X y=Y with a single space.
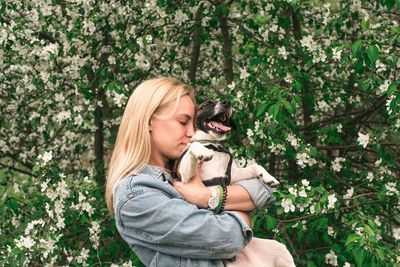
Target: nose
x=225 y=103
x=190 y=130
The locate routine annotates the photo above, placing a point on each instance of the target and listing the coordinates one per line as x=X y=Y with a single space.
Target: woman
x=165 y=222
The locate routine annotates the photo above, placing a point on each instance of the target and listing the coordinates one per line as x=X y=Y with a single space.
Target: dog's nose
x=225 y=103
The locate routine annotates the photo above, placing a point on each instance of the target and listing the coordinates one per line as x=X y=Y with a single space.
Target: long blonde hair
x=133 y=146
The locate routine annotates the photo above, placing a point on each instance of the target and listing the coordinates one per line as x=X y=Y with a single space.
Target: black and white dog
x=213 y=122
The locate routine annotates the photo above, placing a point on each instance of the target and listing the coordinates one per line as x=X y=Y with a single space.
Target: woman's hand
x=195 y=191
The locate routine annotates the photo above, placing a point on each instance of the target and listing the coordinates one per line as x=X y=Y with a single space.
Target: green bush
x=314 y=85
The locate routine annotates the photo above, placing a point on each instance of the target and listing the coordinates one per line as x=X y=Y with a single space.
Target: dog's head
x=214 y=118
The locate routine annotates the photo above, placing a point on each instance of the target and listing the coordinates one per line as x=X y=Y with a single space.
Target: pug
x=213 y=123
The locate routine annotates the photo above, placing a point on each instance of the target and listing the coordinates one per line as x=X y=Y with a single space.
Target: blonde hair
x=133 y=146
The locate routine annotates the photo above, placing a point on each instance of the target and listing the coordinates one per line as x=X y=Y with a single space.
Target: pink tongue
x=220 y=126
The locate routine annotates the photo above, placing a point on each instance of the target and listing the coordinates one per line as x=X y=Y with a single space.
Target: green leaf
x=365 y=24
x=380 y=254
x=352 y=238
x=390 y=4
x=355 y=48
x=271 y=222
x=359 y=255
x=290 y=106
x=261 y=109
x=373 y=53
x=274 y=111
x=392 y=87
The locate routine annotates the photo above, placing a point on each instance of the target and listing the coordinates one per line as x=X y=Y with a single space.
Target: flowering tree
x=315 y=89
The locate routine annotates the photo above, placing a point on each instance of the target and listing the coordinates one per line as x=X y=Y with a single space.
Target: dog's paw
x=200 y=152
x=266 y=177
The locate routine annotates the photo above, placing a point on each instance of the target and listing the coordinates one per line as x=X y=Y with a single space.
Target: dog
x=213 y=122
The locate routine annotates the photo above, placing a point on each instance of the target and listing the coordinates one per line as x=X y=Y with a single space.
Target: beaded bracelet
x=225 y=195
x=222 y=199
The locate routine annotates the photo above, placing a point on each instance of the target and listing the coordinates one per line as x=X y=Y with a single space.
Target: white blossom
x=331 y=258
x=337 y=54
x=370 y=176
x=383 y=87
x=331 y=201
x=339 y=128
x=62 y=116
x=46 y=157
x=282 y=52
x=396 y=233
x=25 y=242
x=337 y=164
x=378 y=221
x=391 y=189
x=292 y=191
x=243 y=74
x=287 y=205
x=302 y=193
x=331 y=231
x=293 y=140
x=349 y=193
x=363 y=139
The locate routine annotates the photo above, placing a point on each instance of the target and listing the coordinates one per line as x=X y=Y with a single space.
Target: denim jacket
x=165 y=230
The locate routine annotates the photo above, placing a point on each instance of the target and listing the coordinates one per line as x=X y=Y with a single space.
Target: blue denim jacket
x=165 y=230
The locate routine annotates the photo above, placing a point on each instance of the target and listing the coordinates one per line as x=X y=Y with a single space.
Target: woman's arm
x=245 y=195
x=150 y=218
x=198 y=194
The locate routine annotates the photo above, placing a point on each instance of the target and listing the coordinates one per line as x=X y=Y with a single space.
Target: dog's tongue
x=220 y=126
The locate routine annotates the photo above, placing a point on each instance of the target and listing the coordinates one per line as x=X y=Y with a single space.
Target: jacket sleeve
x=260 y=193
x=173 y=226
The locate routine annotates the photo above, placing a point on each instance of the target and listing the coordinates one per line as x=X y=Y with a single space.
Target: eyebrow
x=185 y=115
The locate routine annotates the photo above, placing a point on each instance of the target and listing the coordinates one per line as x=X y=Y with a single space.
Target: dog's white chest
x=216 y=167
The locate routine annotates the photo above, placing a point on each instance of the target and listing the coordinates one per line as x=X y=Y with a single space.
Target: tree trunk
x=196 y=43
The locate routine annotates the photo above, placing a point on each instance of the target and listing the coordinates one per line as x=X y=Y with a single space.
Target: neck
x=160 y=163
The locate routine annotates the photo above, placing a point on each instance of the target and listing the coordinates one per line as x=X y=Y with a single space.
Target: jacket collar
x=156 y=172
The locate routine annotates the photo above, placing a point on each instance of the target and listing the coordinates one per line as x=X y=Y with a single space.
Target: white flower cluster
x=317 y=51
x=94 y=234
x=331 y=201
x=282 y=51
x=337 y=164
x=125 y=264
x=388 y=103
x=297 y=191
x=58 y=196
x=349 y=193
x=331 y=258
x=336 y=54
x=396 y=233
x=292 y=139
x=391 y=189
x=363 y=139
x=304 y=159
x=331 y=231
x=383 y=87
x=278 y=149
x=83 y=205
x=46 y=157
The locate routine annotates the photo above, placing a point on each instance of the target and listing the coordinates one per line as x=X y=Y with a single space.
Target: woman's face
x=170 y=136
